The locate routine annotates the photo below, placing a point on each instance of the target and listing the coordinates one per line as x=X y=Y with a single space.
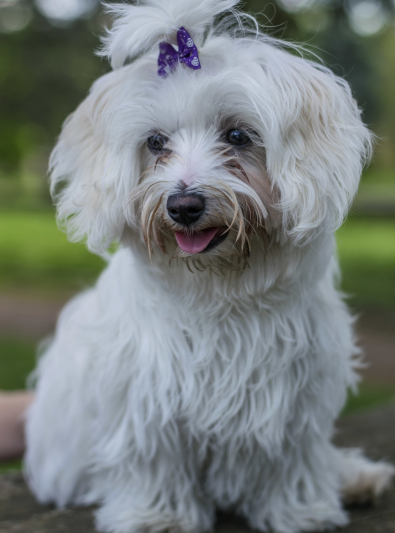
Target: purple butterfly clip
x=187 y=53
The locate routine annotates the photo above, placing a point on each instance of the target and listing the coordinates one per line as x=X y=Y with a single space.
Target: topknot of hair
x=141 y=25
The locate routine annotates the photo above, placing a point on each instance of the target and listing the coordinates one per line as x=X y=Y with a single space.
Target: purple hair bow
x=187 y=53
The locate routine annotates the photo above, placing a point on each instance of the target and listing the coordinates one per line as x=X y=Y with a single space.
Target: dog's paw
x=129 y=523
x=369 y=483
x=365 y=480
x=298 y=518
x=124 y=517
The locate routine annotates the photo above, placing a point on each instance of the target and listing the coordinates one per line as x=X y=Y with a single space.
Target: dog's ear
x=91 y=171
x=316 y=147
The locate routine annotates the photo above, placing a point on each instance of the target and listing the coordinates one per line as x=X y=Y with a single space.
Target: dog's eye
x=238 y=137
x=156 y=143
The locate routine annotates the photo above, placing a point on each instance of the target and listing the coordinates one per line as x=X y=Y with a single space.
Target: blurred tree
x=44 y=73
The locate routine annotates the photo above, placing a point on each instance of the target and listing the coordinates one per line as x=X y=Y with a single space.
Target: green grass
x=367 y=258
x=369 y=396
x=35 y=254
x=17 y=360
x=377 y=186
x=378 y=177
x=10 y=466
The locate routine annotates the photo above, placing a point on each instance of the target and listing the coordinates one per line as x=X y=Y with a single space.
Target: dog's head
x=258 y=145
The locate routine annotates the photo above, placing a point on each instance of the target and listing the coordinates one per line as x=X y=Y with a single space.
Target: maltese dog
x=206 y=368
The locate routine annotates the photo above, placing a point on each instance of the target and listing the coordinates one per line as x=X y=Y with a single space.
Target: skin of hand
x=13 y=407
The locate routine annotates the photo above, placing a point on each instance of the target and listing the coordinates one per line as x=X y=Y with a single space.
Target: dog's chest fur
x=222 y=372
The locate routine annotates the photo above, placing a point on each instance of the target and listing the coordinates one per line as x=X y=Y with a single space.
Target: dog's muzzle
x=186 y=209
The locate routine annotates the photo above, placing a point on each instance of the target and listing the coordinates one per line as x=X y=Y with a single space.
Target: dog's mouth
x=196 y=242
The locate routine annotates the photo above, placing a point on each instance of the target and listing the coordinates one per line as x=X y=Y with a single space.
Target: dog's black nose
x=185 y=208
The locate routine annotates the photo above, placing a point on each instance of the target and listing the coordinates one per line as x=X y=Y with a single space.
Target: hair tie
x=187 y=53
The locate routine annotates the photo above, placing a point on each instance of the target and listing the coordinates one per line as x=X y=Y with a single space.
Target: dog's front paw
x=297 y=517
x=115 y=517
x=138 y=524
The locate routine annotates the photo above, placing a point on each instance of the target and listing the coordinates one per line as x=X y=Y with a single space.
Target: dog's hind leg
x=59 y=422
x=363 y=480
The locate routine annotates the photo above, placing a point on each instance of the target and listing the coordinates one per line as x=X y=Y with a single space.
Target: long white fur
x=166 y=392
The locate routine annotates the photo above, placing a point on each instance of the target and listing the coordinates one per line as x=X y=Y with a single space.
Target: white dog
x=206 y=368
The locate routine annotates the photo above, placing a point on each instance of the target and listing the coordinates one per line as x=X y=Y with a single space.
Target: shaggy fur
x=182 y=383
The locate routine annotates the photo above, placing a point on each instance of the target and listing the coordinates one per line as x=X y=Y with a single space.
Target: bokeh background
x=47 y=64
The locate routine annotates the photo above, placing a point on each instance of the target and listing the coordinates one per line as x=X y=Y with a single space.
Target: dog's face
x=204 y=191
x=258 y=146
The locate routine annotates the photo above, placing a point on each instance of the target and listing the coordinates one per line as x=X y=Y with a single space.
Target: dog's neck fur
x=269 y=277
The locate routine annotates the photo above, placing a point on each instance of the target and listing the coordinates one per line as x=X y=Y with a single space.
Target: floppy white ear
x=319 y=147
x=92 y=172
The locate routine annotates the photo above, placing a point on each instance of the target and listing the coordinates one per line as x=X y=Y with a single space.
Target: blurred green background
x=47 y=64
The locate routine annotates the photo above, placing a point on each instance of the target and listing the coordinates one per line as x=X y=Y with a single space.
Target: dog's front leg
x=162 y=494
x=299 y=491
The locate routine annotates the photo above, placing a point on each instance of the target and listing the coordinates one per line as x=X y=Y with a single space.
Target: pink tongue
x=195 y=242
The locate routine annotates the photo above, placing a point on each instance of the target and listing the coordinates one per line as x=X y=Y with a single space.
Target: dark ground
x=374 y=431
